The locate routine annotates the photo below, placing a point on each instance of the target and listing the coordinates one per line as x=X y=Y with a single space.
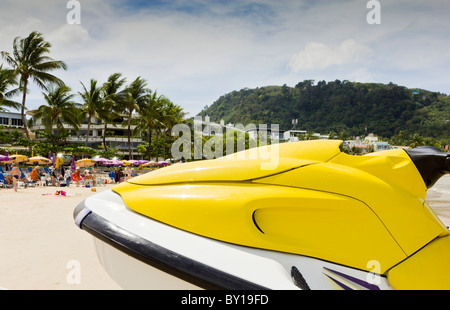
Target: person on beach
x=15 y=172
x=94 y=176
x=53 y=175
x=126 y=173
x=116 y=176
x=62 y=173
x=34 y=175
x=87 y=175
x=77 y=176
x=68 y=176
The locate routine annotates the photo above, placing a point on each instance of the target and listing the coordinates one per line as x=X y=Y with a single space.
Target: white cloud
x=195 y=51
x=68 y=37
x=320 y=56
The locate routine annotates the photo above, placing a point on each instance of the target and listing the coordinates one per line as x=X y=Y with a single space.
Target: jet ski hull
x=321 y=219
x=141 y=253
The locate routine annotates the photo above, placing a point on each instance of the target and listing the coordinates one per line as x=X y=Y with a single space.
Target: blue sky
x=194 y=51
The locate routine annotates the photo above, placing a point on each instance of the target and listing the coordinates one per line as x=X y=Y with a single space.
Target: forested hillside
x=337 y=106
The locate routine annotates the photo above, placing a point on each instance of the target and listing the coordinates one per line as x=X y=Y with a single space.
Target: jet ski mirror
x=431 y=162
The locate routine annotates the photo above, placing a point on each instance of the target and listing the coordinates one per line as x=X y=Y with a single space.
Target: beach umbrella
x=138 y=162
x=4 y=158
x=72 y=165
x=38 y=160
x=115 y=162
x=101 y=160
x=59 y=162
x=126 y=162
x=16 y=159
x=150 y=163
x=85 y=162
x=141 y=162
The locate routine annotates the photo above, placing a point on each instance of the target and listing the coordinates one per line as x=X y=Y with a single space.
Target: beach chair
x=1 y=170
x=46 y=170
x=3 y=181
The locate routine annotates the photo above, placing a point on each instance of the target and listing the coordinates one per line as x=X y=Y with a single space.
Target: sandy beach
x=41 y=247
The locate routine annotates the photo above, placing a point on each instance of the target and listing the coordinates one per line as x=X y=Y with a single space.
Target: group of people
x=63 y=177
x=56 y=177
x=123 y=175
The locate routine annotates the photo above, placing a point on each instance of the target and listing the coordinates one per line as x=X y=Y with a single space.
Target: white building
x=116 y=135
x=10 y=119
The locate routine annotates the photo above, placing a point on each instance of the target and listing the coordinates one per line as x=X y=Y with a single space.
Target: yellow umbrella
x=85 y=162
x=150 y=163
x=16 y=159
x=126 y=162
x=59 y=162
x=39 y=160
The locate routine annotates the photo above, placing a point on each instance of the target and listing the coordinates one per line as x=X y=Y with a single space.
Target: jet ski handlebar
x=431 y=162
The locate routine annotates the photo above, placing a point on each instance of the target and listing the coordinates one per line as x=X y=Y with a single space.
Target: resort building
x=10 y=119
x=116 y=135
x=370 y=141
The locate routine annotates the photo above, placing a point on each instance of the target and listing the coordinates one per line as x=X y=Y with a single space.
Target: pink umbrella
x=72 y=165
x=115 y=163
x=101 y=160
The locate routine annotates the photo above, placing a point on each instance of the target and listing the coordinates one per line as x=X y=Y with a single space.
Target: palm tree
x=30 y=61
x=149 y=115
x=135 y=95
x=171 y=115
x=416 y=141
x=8 y=80
x=60 y=109
x=111 y=101
x=92 y=104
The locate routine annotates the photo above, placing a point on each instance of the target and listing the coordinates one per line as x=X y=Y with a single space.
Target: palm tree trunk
x=88 y=131
x=24 y=121
x=129 y=138
x=130 y=155
x=164 y=144
x=104 y=136
x=149 y=143
x=156 y=145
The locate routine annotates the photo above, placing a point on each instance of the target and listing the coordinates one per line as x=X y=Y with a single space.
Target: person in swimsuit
x=15 y=172
x=77 y=176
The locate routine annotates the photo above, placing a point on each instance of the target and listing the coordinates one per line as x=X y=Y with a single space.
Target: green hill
x=337 y=106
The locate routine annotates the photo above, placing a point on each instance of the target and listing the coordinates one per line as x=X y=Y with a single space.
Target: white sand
x=42 y=248
x=40 y=245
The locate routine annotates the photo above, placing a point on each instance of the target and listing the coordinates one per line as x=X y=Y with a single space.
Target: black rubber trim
x=298 y=279
x=431 y=162
x=168 y=261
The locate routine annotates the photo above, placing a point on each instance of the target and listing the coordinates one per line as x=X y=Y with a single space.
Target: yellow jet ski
x=314 y=218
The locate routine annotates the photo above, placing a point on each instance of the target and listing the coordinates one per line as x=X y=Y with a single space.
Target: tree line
x=338 y=106
x=114 y=100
